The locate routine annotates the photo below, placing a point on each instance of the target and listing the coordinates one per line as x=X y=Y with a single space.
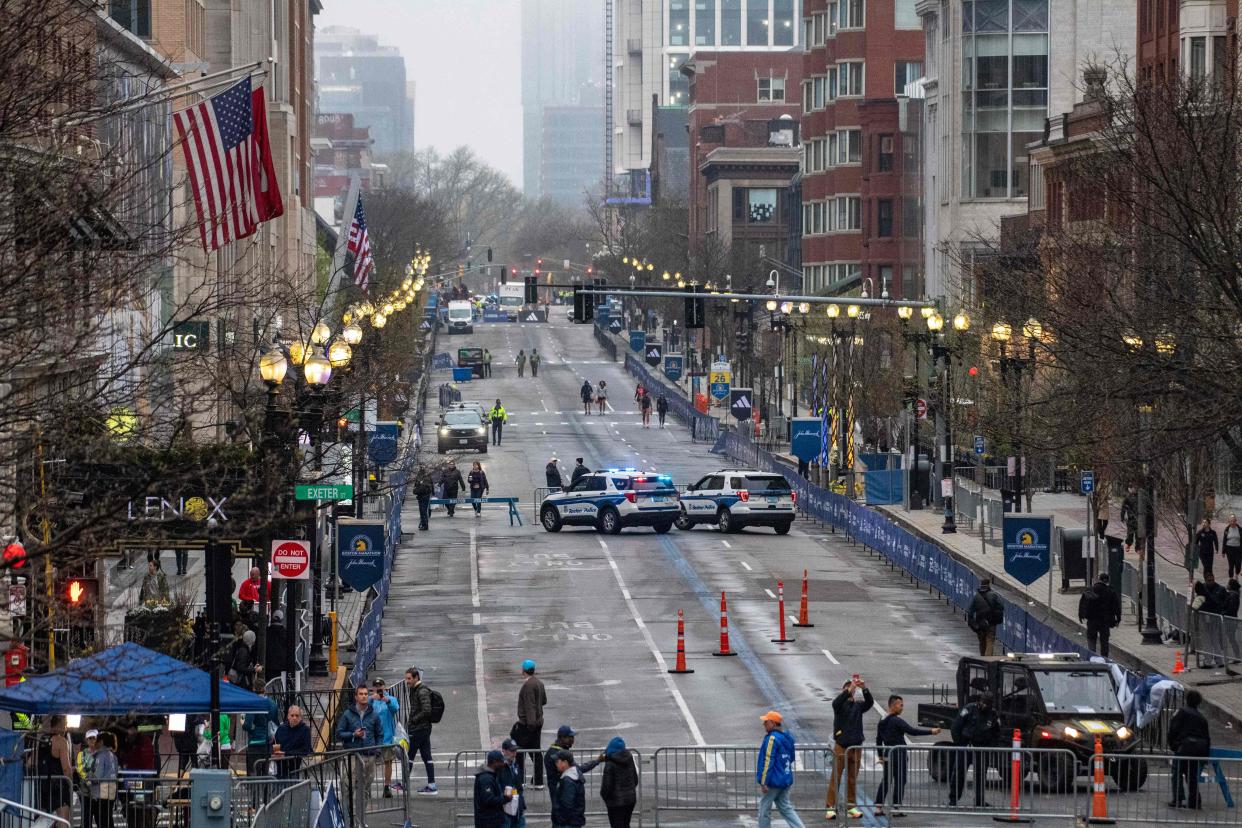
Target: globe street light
x=339 y=354
x=272 y=368
x=352 y=333
x=320 y=334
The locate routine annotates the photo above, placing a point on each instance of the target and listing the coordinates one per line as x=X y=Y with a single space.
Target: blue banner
x=382 y=443
x=637 y=340
x=360 y=552
x=490 y=315
x=672 y=366
x=330 y=814
x=805 y=435
x=1028 y=546
x=883 y=487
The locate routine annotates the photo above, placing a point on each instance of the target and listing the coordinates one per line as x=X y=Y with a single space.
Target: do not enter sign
x=291 y=559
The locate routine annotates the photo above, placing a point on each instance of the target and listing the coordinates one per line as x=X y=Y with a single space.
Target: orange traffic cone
x=1179 y=666
x=724 y=629
x=802 y=613
x=681 y=645
x=1099 y=797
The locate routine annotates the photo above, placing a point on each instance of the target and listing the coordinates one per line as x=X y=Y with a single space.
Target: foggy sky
x=465 y=57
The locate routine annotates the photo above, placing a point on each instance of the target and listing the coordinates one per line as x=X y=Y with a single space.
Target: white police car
x=736 y=498
x=612 y=499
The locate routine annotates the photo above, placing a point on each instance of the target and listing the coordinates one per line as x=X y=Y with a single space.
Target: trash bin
x=1116 y=556
x=463 y=374
x=1007 y=499
x=1073 y=564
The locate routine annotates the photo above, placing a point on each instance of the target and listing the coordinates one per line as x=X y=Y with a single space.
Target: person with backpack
x=976 y=725
x=619 y=788
x=1189 y=736
x=986 y=613
x=1100 y=609
x=521 y=362
x=774 y=772
x=426 y=708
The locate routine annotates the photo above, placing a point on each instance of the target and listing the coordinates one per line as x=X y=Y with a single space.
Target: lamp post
x=1147 y=527
x=943 y=349
x=919 y=339
x=1012 y=367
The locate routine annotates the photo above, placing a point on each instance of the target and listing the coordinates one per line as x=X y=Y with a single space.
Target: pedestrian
x=1231 y=545
x=601 y=396
x=248 y=592
x=1206 y=542
x=487 y=363
x=489 y=794
x=569 y=801
x=891 y=733
x=360 y=731
x=847 y=731
x=580 y=470
x=1100 y=608
x=644 y=405
x=1190 y=737
x=804 y=468
x=422 y=492
x=418 y=726
x=83 y=766
x=512 y=782
x=587 y=395
x=774 y=772
x=639 y=391
x=529 y=726
x=226 y=739
x=292 y=743
x=521 y=362
x=386 y=707
x=258 y=727
x=619 y=788
x=277 y=656
x=986 y=613
x=451 y=479
x=1229 y=625
x=241 y=660
x=535 y=359
x=477 y=480
x=552 y=475
x=154 y=584
x=976 y=725
x=1129 y=515
x=662 y=408
x=564 y=741
x=498 y=418
x=1102 y=509
x=104 y=775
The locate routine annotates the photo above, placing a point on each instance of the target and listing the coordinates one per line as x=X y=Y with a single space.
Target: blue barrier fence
x=925 y=562
x=449 y=394
x=606 y=341
x=703 y=427
x=441 y=362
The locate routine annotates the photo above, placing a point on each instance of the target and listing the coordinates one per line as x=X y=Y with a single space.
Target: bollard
x=724 y=629
x=1179 y=666
x=1015 y=782
x=1099 y=797
x=681 y=645
x=780 y=614
x=332 y=662
x=803 y=620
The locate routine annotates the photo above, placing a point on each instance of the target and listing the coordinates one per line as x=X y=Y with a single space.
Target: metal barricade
x=359 y=780
x=1217 y=780
x=16 y=815
x=538 y=802
x=1214 y=640
x=966 y=504
x=290 y=807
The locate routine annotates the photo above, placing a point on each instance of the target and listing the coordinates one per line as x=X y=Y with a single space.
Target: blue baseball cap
x=566 y=730
x=528 y=665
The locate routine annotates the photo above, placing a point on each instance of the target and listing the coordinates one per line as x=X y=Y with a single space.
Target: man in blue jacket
x=774 y=772
x=359 y=730
x=386 y=707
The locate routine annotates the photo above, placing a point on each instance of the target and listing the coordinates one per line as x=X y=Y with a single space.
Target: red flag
x=266 y=185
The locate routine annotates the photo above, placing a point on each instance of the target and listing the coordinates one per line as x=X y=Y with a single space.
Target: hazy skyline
x=465 y=59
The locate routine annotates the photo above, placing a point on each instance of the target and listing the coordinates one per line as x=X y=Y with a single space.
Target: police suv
x=612 y=499
x=736 y=498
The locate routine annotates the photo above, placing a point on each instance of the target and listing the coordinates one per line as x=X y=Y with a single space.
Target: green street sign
x=330 y=492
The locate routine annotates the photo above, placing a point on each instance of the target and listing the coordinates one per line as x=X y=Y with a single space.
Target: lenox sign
x=196 y=508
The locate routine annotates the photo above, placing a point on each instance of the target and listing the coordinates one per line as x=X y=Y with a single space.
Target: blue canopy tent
x=126 y=680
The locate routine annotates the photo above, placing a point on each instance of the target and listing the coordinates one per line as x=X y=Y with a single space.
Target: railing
x=359 y=780
x=1216 y=777
x=16 y=815
x=290 y=807
x=449 y=394
x=1213 y=639
x=606 y=341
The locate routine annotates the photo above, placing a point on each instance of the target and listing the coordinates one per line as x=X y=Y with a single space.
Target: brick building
x=1198 y=35
x=743 y=158
x=860 y=217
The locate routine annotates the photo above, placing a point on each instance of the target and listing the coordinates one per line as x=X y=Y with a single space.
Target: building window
x=817 y=31
x=134 y=15
x=760 y=205
x=819 y=93
x=1196 y=59
x=783 y=18
x=911 y=223
x=909 y=282
x=884 y=217
x=905 y=72
x=771 y=90
x=905 y=16
x=851 y=78
x=848 y=146
x=851 y=14
x=678 y=22
x=808 y=30
x=1005 y=100
x=678 y=84
x=831 y=21
x=830 y=85
x=808 y=99
x=845 y=213
x=757 y=23
x=705 y=22
x=730 y=22
x=885 y=157
x=739 y=205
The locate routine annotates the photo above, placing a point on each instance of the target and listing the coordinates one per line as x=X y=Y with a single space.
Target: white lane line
x=792 y=620
x=728 y=545
x=831 y=657
x=743 y=563
x=770 y=593
x=474 y=568
x=480 y=688
x=673 y=690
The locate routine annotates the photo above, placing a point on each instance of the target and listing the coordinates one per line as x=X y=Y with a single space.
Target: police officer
x=976 y=725
x=498 y=417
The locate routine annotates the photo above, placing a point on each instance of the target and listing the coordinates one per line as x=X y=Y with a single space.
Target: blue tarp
x=122 y=680
x=883 y=488
x=11 y=765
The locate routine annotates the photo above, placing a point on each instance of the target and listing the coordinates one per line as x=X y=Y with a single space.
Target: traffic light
x=504 y=275
x=584 y=305
x=15 y=555
x=532 y=290
x=694 y=311
x=78 y=594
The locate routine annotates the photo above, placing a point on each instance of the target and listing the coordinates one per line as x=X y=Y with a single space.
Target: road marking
x=480 y=690
x=770 y=593
x=743 y=563
x=792 y=620
x=728 y=545
x=673 y=690
x=831 y=657
x=474 y=568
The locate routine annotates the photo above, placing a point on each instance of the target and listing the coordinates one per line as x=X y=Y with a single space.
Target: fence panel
x=1217 y=778
x=1214 y=639
x=290 y=807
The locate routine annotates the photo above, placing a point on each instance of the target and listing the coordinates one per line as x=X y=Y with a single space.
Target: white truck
x=512 y=297
x=460 y=317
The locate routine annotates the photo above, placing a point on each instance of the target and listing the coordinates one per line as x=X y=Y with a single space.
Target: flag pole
x=335 y=283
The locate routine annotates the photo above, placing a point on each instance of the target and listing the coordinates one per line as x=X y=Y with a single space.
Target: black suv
x=461 y=429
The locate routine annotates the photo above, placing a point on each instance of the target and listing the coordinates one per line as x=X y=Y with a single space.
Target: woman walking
x=645 y=405
x=477 y=479
x=601 y=397
x=1207 y=543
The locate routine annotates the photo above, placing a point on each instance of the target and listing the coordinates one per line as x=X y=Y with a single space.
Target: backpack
x=1086 y=604
x=437 y=705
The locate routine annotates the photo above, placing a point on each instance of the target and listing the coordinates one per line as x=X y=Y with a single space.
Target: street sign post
x=740 y=404
x=979 y=444
x=920 y=409
x=334 y=491
x=1087 y=484
x=673 y=364
x=718 y=380
x=291 y=560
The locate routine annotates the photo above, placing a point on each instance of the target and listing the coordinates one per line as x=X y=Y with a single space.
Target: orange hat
x=771 y=716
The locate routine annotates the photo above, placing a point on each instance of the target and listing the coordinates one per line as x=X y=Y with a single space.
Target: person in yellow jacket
x=498 y=417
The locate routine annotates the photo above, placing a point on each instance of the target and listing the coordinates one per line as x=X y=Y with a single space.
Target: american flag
x=360 y=245
x=226 y=157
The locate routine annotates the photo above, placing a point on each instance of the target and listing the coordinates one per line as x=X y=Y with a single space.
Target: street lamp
x=352 y=333
x=943 y=349
x=339 y=354
x=272 y=368
x=1011 y=372
x=320 y=334
x=379 y=320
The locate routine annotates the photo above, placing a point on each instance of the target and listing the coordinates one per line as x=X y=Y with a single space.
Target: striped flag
x=229 y=158
x=360 y=245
